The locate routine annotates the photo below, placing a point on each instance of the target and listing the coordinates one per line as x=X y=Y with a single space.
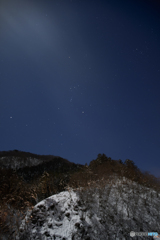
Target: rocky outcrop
x=96 y=214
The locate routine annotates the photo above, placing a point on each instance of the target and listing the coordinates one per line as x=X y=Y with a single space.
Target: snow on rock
x=57 y=216
x=97 y=214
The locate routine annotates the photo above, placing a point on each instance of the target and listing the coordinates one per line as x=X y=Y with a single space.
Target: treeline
x=103 y=167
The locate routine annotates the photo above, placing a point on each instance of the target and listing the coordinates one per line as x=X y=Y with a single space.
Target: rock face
x=56 y=217
x=96 y=214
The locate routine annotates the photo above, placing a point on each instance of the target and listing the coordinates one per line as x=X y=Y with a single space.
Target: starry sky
x=79 y=78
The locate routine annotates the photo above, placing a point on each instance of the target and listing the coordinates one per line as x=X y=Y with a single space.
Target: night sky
x=79 y=78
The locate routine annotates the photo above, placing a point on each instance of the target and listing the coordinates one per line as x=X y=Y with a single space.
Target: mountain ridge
x=22 y=157
x=23 y=186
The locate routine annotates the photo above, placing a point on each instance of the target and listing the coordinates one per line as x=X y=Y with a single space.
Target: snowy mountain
x=111 y=212
x=48 y=197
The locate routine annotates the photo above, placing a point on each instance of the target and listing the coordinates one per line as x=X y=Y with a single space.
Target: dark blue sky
x=78 y=78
